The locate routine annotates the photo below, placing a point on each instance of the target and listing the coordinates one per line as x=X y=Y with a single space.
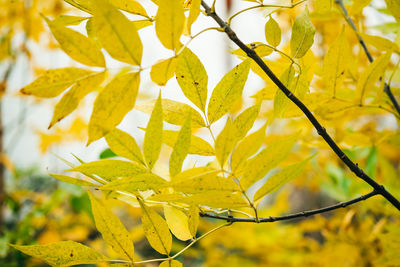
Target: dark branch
x=294 y=215
x=320 y=130
x=386 y=87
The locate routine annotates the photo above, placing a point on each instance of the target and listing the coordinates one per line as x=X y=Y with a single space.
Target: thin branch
x=294 y=215
x=349 y=21
x=320 y=129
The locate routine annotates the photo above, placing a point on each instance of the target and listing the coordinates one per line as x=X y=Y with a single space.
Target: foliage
x=227 y=176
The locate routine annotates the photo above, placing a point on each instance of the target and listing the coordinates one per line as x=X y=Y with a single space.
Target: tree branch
x=320 y=129
x=294 y=215
x=386 y=87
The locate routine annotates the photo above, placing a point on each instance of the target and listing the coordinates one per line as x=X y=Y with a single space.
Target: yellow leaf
x=214 y=199
x=112 y=229
x=163 y=70
x=258 y=166
x=170 y=20
x=196 y=173
x=394 y=8
x=64 y=253
x=244 y=122
x=205 y=183
x=171 y=263
x=124 y=145
x=76 y=45
x=178 y=223
x=73 y=180
x=116 y=33
x=198 y=146
x=281 y=102
x=193 y=14
x=174 y=112
x=272 y=32
x=261 y=49
x=110 y=169
x=283 y=176
x=380 y=43
x=68 y=20
x=247 y=147
x=54 y=82
x=181 y=148
x=302 y=35
x=112 y=104
x=225 y=143
x=153 y=137
x=156 y=230
x=70 y=101
x=192 y=78
x=335 y=64
x=131 y=6
x=193 y=220
x=228 y=91
x=133 y=184
x=370 y=76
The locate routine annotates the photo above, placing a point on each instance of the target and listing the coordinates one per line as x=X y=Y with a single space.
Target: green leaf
x=76 y=45
x=138 y=182
x=112 y=104
x=170 y=21
x=110 y=169
x=181 y=148
x=54 y=82
x=116 y=33
x=107 y=153
x=174 y=112
x=258 y=166
x=192 y=78
x=228 y=91
x=302 y=34
x=72 y=180
x=198 y=146
x=70 y=101
x=153 y=137
x=277 y=180
x=111 y=228
x=156 y=230
x=272 y=32
x=124 y=145
x=177 y=222
x=163 y=70
x=64 y=253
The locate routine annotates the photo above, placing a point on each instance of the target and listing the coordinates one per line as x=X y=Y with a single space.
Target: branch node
x=321 y=131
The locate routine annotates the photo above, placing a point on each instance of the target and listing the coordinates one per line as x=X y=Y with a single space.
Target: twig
x=294 y=215
x=386 y=87
x=320 y=129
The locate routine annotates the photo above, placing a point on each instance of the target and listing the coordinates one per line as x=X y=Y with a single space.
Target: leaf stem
x=294 y=215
